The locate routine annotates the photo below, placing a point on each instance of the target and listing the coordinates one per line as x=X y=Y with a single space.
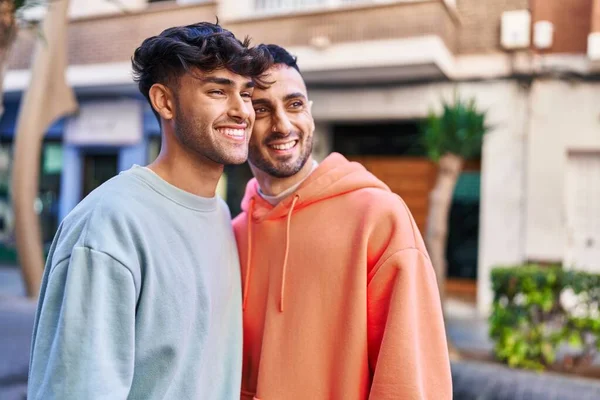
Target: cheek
x=258 y=134
x=251 y=112
x=307 y=125
x=207 y=112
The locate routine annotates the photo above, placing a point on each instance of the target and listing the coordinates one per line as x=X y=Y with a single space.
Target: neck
x=188 y=171
x=273 y=186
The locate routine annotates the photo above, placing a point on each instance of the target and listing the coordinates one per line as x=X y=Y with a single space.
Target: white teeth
x=237 y=133
x=285 y=146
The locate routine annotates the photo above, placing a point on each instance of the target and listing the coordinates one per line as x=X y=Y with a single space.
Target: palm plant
x=449 y=138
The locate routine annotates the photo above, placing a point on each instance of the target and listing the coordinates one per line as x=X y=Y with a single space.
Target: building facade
x=374 y=69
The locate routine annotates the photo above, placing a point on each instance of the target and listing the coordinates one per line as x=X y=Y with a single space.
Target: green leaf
x=547 y=350
x=459 y=130
x=528 y=323
x=575 y=339
x=19 y=4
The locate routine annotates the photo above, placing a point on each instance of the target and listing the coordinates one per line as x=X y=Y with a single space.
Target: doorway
x=582 y=249
x=97 y=169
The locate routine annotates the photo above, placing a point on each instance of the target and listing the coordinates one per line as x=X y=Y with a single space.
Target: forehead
x=201 y=76
x=285 y=80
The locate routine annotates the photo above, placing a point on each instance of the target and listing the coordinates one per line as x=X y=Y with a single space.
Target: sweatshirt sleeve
x=408 y=353
x=83 y=340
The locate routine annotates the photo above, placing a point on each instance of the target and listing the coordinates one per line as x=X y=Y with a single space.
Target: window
x=97 y=169
x=285 y=5
x=46 y=204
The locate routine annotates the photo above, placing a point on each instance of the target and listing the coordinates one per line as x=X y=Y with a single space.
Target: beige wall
x=565 y=116
x=112 y=39
x=480 y=23
x=501 y=233
x=234 y=9
x=88 y=8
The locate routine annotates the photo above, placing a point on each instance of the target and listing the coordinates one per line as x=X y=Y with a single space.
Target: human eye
x=216 y=92
x=260 y=110
x=296 y=104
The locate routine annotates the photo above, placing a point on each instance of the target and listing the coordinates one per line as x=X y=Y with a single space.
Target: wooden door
x=410 y=177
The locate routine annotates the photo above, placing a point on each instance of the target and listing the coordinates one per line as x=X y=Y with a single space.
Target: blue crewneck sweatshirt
x=140 y=298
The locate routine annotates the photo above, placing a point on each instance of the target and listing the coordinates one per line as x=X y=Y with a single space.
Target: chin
x=238 y=162
x=237 y=159
x=234 y=160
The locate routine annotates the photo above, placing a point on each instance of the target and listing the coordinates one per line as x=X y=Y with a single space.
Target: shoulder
x=118 y=201
x=377 y=202
x=109 y=220
x=387 y=219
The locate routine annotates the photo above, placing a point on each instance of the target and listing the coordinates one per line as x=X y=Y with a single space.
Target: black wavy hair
x=282 y=56
x=204 y=46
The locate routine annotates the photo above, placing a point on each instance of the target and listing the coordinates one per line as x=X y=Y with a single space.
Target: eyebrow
x=226 y=81
x=286 y=98
x=294 y=96
x=261 y=102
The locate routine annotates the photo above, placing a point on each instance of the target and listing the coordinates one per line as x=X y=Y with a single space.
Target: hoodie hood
x=335 y=176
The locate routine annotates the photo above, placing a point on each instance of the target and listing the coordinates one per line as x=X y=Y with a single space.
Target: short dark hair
x=282 y=56
x=205 y=46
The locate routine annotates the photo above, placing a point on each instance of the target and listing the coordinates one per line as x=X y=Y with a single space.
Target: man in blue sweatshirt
x=141 y=292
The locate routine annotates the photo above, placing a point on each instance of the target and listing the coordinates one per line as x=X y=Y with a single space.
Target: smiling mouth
x=237 y=134
x=284 y=146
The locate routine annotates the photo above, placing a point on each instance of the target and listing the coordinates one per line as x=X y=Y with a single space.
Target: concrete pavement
x=472 y=380
x=16 y=325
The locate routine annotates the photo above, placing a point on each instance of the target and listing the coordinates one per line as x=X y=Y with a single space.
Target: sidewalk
x=468 y=331
x=476 y=380
x=16 y=325
x=485 y=381
x=11 y=283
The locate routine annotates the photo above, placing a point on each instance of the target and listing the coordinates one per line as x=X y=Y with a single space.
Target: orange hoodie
x=340 y=298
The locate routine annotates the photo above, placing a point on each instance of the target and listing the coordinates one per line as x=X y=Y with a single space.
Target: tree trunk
x=47 y=98
x=436 y=235
x=450 y=166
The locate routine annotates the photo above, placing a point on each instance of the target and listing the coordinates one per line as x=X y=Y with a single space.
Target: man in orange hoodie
x=339 y=295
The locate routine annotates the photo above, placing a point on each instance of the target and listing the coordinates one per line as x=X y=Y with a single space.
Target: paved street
x=16 y=324
x=10 y=281
x=472 y=380
x=480 y=381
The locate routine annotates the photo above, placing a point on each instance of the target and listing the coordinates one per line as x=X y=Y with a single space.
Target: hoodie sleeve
x=83 y=343
x=408 y=353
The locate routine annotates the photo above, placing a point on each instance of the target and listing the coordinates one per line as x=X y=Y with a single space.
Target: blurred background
x=384 y=75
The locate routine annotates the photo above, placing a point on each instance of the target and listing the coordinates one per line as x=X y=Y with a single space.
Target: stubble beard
x=197 y=137
x=282 y=169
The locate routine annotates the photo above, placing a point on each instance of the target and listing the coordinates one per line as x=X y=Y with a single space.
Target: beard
x=280 y=168
x=197 y=136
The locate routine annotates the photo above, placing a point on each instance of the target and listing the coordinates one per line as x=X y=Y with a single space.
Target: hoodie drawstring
x=287 y=250
x=249 y=255
x=285 y=257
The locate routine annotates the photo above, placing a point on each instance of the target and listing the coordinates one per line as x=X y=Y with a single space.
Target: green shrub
x=538 y=309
